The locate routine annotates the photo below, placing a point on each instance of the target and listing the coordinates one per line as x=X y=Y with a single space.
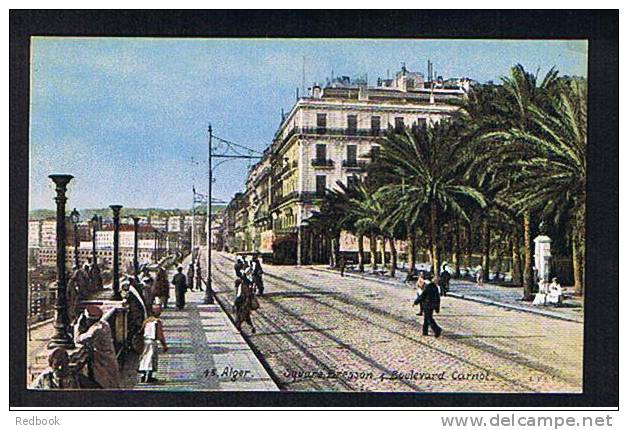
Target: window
x=421 y=122
x=352 y=155
x=321 y=184
x=321 y=152
x=321 y=123
x=399 y=125
x=352 y=180
x=375 y=125
x=352 y=124
x=374 y=152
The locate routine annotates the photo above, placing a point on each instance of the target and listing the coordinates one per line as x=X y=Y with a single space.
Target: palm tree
x=497 y=148
x=552 y=178
x=427 y=159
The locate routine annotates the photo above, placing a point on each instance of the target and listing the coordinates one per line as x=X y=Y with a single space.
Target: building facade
x=328 y=137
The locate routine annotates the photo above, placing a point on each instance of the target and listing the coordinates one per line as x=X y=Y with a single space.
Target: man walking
x=257 y=275
x=430 y=300
x=180 y=286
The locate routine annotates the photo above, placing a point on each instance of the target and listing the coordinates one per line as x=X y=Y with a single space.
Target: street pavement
x=205 y=351
x=318 y=331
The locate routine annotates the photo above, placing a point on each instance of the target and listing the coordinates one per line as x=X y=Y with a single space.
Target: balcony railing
x=326 y=163
x=327 y=131
x=295 y=195
x=354 y=164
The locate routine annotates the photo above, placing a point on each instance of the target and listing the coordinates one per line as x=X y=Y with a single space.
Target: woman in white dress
x=555 y=293
x=153 y=330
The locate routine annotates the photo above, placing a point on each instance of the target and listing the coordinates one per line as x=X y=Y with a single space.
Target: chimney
x=363 y=92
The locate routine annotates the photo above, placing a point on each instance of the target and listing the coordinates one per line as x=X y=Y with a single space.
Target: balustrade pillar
x=116 y=259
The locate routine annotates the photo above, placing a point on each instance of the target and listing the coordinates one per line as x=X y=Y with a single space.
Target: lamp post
x=61 y=336
x=136 y=263
x=75 y=217
x=116 y=263
x=94 y=226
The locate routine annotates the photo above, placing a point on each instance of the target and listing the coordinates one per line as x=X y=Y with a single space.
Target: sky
x=128 y=117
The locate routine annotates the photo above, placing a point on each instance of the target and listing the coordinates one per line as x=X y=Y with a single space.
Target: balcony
x=354 y=164
x=326 y=131
x=325 y=163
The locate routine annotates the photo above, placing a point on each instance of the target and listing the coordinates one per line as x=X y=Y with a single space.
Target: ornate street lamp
x=75 y=217
x=61 y=336
x=116 y=263
x=136 y=264
x=95 y=220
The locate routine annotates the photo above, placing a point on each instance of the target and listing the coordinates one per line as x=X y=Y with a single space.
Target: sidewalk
x=490 y=294
x=206 y=352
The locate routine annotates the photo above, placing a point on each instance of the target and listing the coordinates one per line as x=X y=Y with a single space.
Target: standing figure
x=342 y=264
x=95 y=276
x=239 y=266
x=98 y=337
x=190 y=277
x=430 y=299
x=445 y=278
x=161 y=287
x=148 y=287
x=152 y=331
x=257 y=274
x=72 y=294
x=180 y=286
x=420 y=286
x=243 y=300
x=199 y=276
x=479 y=276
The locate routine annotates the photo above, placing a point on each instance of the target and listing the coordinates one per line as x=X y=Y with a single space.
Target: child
x=153 y=331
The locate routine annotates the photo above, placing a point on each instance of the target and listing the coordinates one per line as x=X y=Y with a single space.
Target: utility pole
x=209 y=294
x=193 y=221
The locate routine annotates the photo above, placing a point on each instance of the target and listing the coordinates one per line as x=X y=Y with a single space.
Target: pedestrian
x=98 y=337
x=148 y=291
x=257 y=272
x=479 y=276
x=343 y=264
x=161 y=287
x=59 y=375
x=152 y=332
x=95 y=276
x=444 y=278
x=420 y=285
x=239 y=266
x=199 y=276
x=430 y=299
x=245 y=301
x=180 y=286
x=190 y=277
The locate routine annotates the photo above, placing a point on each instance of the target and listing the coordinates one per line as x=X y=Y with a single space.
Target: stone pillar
x=542 y=256
x=61 y=336
x=136 y=263
x=116 y=258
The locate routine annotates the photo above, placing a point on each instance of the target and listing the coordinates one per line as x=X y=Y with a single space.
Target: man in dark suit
x=430 y=301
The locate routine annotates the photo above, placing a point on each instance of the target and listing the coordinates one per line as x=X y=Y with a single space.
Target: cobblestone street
x=319 y=331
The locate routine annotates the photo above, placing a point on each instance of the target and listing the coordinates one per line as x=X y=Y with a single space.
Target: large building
x=327 y=137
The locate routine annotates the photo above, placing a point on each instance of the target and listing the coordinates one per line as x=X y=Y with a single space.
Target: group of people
x=549 y=293
x=82 y=281
x=92 y=331
x=248 y=282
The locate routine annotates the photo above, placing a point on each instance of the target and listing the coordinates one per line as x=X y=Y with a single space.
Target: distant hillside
x=37 y=214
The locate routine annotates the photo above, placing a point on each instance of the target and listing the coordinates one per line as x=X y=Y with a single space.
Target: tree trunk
x=373 y=247
x=393 y=257
x=332 y=254
x=361 y=253
x=576 y=257
x=336 y=250
x=383 y=251
x=515 y=269
x=486 y=250
x=434 y=238
x=528 y=262
x=456 y=254
x=412 y=251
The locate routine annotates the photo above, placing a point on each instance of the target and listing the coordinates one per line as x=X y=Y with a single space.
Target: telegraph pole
x=193 y=220
x=209 y=294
